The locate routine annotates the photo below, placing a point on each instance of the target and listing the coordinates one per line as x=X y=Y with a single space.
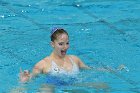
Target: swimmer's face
x=61 y=45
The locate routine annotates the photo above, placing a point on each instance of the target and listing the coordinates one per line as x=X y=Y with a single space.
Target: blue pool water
x=103 y=33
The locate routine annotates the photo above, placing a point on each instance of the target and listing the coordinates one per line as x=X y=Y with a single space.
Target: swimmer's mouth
x=63 y=52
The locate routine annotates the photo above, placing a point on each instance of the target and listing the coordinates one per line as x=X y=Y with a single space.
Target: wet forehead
x=63 y=38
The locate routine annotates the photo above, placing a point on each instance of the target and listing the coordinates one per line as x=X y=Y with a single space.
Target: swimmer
x=58 y=63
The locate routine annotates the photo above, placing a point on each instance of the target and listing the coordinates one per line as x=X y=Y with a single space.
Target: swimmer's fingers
x=24 y=73
x=24 y=76
x=21 y=74
x=122 y=67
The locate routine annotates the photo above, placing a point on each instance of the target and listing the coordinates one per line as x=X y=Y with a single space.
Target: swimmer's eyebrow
x=63 y=42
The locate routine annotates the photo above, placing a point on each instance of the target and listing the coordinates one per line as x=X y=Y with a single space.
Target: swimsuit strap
x=75 y=68
x=71 y=60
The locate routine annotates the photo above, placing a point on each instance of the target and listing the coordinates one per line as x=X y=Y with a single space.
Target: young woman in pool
x=58 y=63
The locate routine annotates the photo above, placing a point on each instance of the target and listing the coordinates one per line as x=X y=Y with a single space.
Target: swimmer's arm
x=84 y=66
x=25 y=75
x=40 y=68
x=81 y=64
x=37 y=69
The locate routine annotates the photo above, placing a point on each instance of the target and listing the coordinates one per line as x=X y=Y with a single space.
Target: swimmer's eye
x=60 y=44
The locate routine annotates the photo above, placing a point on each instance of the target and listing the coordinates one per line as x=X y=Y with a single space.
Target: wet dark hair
x=56 y=32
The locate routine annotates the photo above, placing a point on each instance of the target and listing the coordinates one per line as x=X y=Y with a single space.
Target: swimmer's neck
x=53 y=55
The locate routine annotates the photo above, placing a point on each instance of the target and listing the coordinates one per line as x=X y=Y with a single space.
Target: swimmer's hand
x=24 y=76
x=122 y=67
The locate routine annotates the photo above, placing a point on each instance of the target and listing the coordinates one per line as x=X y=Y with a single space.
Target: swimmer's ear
x=52 y=44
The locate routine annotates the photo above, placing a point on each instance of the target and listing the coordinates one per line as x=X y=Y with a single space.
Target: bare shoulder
x=75 y=58
x=42 y=66
x=42 y=63
x=79 y=62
